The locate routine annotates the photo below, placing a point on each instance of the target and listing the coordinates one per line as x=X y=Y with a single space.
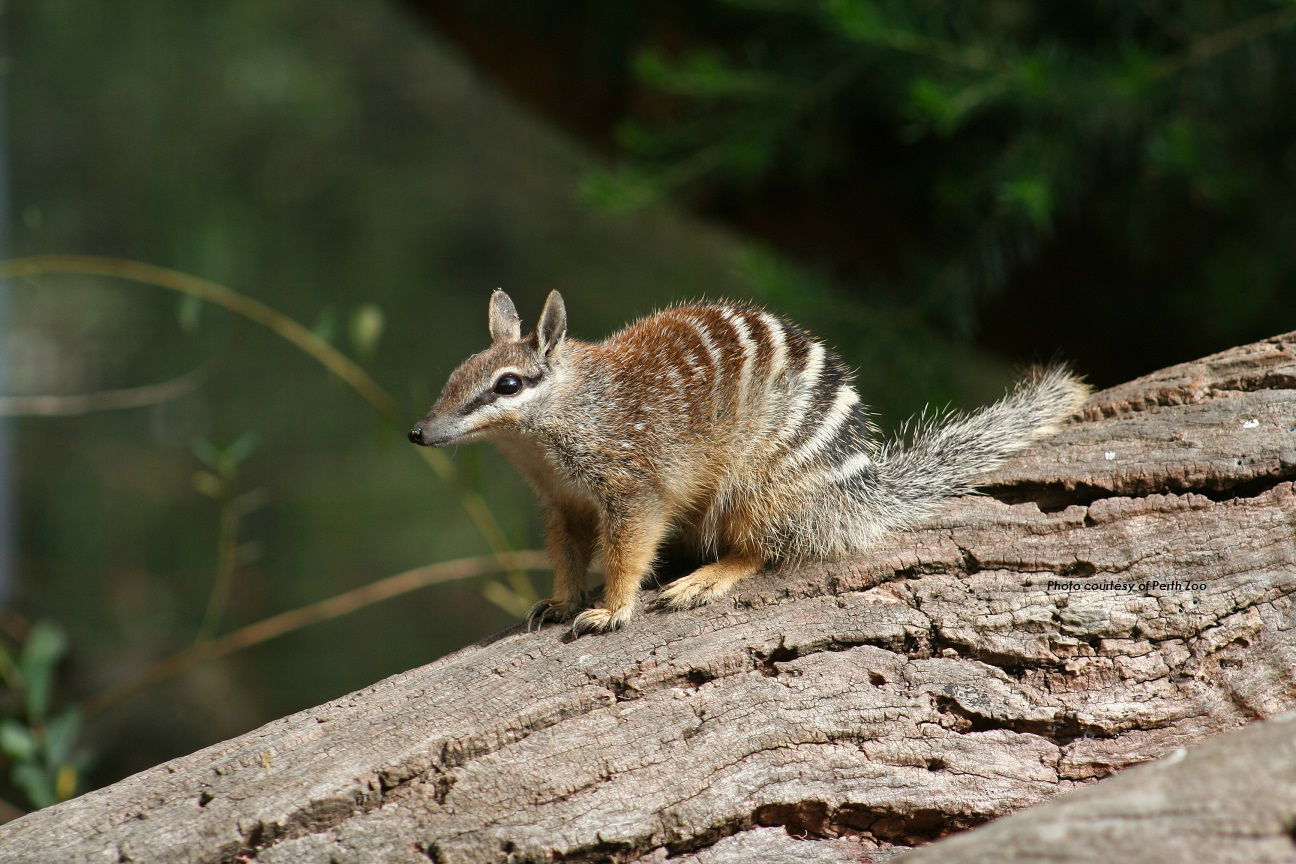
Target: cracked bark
x=837 y=712
x=1231 y=799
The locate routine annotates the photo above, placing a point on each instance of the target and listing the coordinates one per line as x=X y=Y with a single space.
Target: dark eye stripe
x=489 y=395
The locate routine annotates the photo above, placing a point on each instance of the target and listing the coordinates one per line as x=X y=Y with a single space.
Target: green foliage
x=37 y=746
x=365 y=328
x=985 y=127
x=219 y=482
x=222 y=462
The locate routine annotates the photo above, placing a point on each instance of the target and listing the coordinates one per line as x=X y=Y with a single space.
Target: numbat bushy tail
x=723 y=423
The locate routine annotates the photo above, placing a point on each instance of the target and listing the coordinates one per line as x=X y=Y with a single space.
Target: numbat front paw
x=552 y=609
x=600 y=620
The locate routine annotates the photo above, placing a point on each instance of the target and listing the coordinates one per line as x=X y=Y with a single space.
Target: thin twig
x=254 y=310
x=314 y=613
x=48 y=405
x=1208 y=47
x=226 y=558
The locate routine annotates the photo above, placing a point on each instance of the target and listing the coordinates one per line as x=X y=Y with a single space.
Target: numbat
x=724 y=423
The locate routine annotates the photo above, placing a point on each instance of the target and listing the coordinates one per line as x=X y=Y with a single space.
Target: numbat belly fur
x=723 y=423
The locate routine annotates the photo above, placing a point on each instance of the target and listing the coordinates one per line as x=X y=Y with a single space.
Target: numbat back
x=723 y=423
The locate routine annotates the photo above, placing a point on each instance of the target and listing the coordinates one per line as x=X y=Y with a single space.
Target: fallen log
x=1231 y=799
x=1123 y=590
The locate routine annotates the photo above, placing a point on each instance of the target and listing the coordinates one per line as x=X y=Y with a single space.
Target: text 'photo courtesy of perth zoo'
x=723 y=423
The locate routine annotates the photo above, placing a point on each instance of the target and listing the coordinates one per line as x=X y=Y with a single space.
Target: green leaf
x=42 y=650
x=250 y=502
x=702 y=74
x=1033 y=75
x=34 y=783
x=857 y=19
x=9 y=674
x=638 y=138
x=326 y=325
x=208 y=484
x=60 y=735
x=45 y=645
x=948 y=106
x=366 y=329
x=935 y=103
x=206 y=452
x=1032 y=196
x=651 y=68
x=40 y=683
x=65 y=782
x=622 y=190
x=238 y=451
x=16 y=740
x=1136 y=72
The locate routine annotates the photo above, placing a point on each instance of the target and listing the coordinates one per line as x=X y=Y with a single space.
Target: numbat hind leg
x=714 y=580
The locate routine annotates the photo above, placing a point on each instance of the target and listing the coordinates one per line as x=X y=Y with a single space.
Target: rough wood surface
x=839 y=712
x=1231 y=800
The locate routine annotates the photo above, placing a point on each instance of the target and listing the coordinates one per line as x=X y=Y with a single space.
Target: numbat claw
x=548 y=610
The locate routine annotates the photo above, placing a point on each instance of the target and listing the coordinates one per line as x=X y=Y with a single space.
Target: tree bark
x=1231 y=799
x=1124 y=590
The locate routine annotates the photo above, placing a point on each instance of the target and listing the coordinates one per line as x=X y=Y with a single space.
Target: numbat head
x=724 y=424
x=503 y=386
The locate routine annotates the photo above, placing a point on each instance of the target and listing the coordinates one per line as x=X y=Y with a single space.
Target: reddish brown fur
x=721 y=422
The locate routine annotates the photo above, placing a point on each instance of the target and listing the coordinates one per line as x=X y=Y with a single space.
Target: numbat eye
x=507 y=385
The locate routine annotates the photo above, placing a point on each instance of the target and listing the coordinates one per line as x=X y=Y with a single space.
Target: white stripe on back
x=778 y=344
x=708 y=344
x=743 y=332
x=684 y=358
x=805 y=384
x=833 y=419
x=849 y=468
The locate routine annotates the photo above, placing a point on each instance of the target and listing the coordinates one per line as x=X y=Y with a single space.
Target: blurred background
x=944 y=191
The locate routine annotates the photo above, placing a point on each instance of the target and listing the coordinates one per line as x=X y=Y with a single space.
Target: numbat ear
x=505 y=325
x=552 y=328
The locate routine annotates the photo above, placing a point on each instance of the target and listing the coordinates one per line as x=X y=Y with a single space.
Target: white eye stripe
x=501 y=406
x=488 y=395
x=506 y=370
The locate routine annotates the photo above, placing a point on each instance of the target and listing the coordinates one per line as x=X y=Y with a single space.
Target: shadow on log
x=1125 y=589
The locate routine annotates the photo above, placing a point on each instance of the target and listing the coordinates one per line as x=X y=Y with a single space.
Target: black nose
x=416 y=435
